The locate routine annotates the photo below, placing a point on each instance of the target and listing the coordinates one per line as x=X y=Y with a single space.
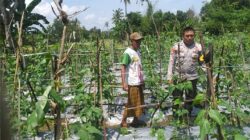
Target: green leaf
x=58 y=99
x=93 y=130
x=43 y=61
x=32 y=5
x=160 y=134
x=199 y=98
x=215 y=115
x=32 y=120
x=188 y=85
x=204 y=129
x=171 y=88
x=226 y=104
x=200 y=117
x=42 y=103
x=239 y=137
x=177 y=102
x=152 y=132
x=38 y=114
x=124 y=131
x=84 y=135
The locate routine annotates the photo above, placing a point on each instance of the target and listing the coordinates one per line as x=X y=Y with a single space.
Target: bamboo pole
x=99 y=67
x=100 y=88
x=244 y=64
x=210 y=85
x=218 y=75
x=212 y=91
x=58 y=127
x=64 y=18
x=17 y=82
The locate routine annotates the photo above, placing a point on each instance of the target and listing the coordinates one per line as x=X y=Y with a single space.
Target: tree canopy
x=226 y=16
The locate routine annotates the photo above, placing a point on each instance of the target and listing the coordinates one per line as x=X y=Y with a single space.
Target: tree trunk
x=4 y=117
x=7 y=23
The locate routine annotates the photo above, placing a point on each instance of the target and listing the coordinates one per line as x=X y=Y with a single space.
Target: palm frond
x=32 y=5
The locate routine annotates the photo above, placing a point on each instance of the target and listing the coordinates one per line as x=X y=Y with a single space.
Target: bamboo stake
x=242 y=54
x=210 y=86
x=233 y=113
x=99 y=67
x=218 y=75
x=64 y=19
x=58 y=127
x=17 y=83
x=244 y=64
x=18 y=51
x=100 y=90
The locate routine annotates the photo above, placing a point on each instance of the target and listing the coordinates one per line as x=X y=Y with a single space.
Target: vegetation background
x=42 y=64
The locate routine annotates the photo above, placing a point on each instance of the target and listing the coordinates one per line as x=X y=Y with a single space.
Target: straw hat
x=135 y=36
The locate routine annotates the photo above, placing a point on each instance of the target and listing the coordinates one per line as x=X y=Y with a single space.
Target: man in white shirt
x=133 y=80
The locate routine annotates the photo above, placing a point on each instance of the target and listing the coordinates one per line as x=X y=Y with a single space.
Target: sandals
x=138 y=123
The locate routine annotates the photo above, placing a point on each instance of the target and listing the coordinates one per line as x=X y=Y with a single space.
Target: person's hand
x=125 y=87
x=170 y=81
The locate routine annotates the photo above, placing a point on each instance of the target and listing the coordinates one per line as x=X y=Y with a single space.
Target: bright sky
x=101 y=11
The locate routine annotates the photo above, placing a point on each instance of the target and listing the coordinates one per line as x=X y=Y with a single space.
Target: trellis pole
x=100 y=86
x=61 y=59
x=57 y=77
x=17 y=83
x=244 y=63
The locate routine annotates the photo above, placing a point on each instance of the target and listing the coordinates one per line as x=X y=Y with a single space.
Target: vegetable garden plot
x=79 y=96
x=63 y=81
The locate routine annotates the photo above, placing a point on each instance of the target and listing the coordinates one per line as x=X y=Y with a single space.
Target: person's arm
x=171 y=65
x=123 y=76
x=125 y=62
